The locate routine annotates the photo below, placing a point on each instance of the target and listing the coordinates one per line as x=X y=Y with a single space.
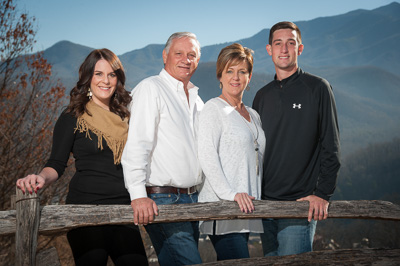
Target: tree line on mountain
x=372 y=173
x=345 y=49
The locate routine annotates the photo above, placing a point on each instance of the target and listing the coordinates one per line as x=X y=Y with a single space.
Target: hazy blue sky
x=126 y=25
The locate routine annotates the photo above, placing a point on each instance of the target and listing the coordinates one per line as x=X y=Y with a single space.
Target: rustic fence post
x=26 y=235
x=12 y=204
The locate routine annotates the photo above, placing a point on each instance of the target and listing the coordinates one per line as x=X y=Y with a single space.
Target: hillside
x=355 y=52
x=66 y=58
x=352 y=39
x=371 y=174
x=142 y=63
x=366 y=99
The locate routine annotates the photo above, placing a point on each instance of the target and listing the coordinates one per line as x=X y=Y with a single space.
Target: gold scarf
x=107 y=125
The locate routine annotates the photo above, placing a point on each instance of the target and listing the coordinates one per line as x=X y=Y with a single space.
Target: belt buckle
x=191 y=190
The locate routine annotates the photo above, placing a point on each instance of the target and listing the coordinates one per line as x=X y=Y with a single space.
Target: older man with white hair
x=160 y=157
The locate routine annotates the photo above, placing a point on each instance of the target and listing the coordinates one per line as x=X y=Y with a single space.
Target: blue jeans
x=175 y=243
x=231 y=246
x=287 y=236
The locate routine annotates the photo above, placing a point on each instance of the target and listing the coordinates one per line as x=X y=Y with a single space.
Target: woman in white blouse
x=231 y=147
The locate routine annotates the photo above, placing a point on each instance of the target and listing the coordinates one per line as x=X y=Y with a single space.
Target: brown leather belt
x=167 y=189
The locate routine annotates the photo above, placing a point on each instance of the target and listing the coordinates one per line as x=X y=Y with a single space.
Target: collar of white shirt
x=177 y=84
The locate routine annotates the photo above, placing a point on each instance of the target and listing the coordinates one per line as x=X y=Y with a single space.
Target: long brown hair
x=78 y=95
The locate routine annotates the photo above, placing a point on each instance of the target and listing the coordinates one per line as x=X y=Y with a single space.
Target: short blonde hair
x=232 y=55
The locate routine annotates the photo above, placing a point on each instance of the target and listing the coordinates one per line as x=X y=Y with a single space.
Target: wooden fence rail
x=61 y=218
x=29 y=219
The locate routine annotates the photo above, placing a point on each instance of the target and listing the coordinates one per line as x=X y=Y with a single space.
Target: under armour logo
x=297 y=106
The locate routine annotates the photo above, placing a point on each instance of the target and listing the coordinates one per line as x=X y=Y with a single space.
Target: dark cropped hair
x=78 y=95
x=232 y=55
x=284 y=25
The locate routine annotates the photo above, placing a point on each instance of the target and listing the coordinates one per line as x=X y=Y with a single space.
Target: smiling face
x=284 y=50
x=234 y=79
x=182 y=59
x=103 y=84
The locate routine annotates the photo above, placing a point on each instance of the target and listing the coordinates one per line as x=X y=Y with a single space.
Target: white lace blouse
x=229 y=161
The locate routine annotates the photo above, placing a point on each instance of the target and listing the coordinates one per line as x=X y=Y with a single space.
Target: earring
x=220 y=85
x=89 y=94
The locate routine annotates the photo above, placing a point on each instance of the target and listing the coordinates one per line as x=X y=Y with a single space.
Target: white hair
x=178 y=35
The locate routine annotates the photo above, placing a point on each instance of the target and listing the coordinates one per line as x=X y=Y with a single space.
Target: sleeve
x=256 y=116
x=256 y=101
x=330 y=144
x=145 y=116
x=210 y=132
x=63 y=141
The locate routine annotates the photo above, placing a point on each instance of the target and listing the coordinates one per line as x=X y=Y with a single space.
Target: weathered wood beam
x=7 y=222
x=27 y=215
x=344 y=257
x=61 y=218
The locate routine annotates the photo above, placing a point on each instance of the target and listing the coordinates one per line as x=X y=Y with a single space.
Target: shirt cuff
x=321 y=195
x=137 y=192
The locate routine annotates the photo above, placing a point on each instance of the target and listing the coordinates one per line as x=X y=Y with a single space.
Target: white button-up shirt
x=161 y=148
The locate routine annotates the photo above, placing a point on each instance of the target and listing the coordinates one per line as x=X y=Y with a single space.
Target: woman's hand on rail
x=31 y=183
x=245 y=202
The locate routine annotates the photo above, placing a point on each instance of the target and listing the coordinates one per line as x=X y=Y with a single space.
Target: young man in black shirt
x=301 y=160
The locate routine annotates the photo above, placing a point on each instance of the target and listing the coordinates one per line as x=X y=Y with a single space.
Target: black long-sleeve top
x=97 y=179
x=299 y=119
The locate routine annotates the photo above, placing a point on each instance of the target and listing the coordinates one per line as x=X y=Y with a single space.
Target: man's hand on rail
x=144 y=210
x=318 y=207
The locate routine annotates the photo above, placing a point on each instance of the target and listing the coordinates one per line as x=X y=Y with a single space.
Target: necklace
x=255 y=136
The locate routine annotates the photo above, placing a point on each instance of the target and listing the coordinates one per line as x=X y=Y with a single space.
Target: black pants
x=92 y=245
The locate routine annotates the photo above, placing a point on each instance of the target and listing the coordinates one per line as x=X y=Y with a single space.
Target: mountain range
x=356 y=52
